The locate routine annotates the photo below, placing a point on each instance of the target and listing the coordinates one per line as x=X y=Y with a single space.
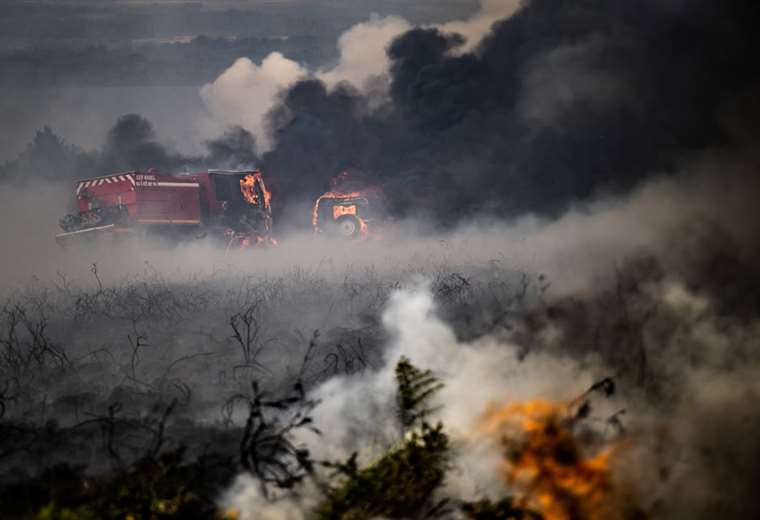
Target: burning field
x=502 y=267
x=494 y=371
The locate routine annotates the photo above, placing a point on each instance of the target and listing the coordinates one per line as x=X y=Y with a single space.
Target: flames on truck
x=352 y=208
x=234 y=206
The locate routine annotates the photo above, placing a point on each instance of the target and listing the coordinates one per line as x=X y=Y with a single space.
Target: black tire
x=347 y=226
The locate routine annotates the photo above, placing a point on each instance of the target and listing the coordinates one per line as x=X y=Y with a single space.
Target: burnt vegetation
x=146 y=397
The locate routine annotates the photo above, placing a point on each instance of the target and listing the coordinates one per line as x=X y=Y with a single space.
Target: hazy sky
x=77 y=65
x=31 y=23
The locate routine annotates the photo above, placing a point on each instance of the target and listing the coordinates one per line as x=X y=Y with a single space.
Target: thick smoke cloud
x=556 y=104
x=559 y=102
x=657 y=286
x=362 y=51
x=132 y=145
x=245 y=93
x=78 y=65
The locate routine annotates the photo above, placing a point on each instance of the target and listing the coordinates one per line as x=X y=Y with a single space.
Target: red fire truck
x=230 y=205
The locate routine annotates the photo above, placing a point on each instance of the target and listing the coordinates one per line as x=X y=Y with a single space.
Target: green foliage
x=402 y=481
x=397 y=485
x=415 y=389
x=163 y=488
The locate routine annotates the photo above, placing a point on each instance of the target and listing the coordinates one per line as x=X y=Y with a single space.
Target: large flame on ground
x=547 y=464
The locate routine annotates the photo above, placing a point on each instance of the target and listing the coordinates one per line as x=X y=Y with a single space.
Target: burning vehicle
x=234 y=206
x=352 y=208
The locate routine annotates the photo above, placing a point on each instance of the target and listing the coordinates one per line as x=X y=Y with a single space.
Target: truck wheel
x=348 y=226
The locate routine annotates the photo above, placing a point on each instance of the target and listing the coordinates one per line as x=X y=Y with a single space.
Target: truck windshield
x=228 y=189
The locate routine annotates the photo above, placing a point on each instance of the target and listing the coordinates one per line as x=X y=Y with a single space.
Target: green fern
x=415 y=389
x=401 y=483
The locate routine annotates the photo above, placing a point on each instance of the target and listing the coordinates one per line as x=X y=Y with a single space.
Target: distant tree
x=49 y=157
x=132 y=145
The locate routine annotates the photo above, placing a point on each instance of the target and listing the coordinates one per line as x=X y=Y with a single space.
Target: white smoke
x=689 y=343
x=244 y=94
x=363 y=51
x=475 y=28
x=246 y=499
x=358 y=414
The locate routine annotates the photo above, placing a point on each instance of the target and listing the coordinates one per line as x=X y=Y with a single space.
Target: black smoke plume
x=561 y=101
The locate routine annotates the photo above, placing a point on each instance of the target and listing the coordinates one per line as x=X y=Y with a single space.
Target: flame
x=546 y=463
x=248 y=185
x=254 y=190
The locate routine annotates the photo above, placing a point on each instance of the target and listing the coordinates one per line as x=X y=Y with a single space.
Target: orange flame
x=255 y=193
x=546 y=462
x=248 y=185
